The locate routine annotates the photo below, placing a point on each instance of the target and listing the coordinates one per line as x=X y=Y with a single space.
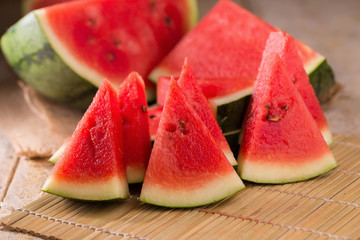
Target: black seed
x=143 y=108
x=267 y=105
x=285 y=108
x=167 y=20
x=152 y=116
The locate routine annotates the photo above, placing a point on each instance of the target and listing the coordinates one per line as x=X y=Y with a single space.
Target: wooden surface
x=329 y=26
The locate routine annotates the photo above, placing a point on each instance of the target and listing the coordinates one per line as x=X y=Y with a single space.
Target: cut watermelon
x=92 y=166
x=229 y=108
x=65 y=50
x=228 y=44
x=137 y=146
x=284 y=45
x=188 y=84
x=186 y=167
x=281 y=141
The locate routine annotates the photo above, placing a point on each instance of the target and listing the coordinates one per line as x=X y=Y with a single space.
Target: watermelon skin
x=29 y=5
x=28 y=51
x=280 y=142
x=239 y=37
x=284 y=45
x=197 y=100
x=135 y=122
x=40 y=50
x=186 y=168
x=92 y=165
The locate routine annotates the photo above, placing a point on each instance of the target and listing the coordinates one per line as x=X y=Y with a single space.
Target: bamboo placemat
x=326 y=207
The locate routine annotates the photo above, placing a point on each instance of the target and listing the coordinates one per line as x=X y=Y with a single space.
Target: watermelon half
x=225 y=48
x=64 y=51
x=92 y=166
x=186 y=167
x=281 y=141
x=188 y=84
x=285 y=46
x=135 y=122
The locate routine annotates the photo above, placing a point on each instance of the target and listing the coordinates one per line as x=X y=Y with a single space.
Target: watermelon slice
x=228 y=44
x=137 y=146
x=188 y=84
x=281 y=142
x=285 y=46
x=64 y=51
x=92 y=166
x=186 y=167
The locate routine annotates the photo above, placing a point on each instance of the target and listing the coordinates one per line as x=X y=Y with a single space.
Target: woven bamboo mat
x=326 y=207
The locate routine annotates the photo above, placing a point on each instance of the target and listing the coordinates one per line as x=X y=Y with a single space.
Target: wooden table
x=329 y=26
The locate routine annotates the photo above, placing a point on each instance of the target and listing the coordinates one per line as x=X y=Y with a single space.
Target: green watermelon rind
x=28 y=51
x=284 y=173
x=74 y=192
x=224 y=186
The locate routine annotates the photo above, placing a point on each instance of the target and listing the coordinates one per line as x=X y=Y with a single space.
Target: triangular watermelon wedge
x=281 y=142
x=137 y=144
x=186 y=167
x=92 y=165
x=200 y=104
x=285 y=46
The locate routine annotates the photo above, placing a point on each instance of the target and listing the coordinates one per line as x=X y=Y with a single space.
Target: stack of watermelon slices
x=190 y=164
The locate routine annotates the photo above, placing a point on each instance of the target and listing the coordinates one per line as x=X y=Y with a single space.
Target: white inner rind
x=213 y=191
x=314 y=63
x=327 y=135
x=230 y=156
x=135 y=175
x=113 y=188
x=284 y=171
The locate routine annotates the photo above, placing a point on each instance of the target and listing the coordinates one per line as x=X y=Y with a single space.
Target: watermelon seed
x=293 y=80
x=167 y=20
x=267 y=105
x=152 y=5
x=273 y=118
x=152 y=116
x=143 y=108
x=183 y=127
x=90 y=22
x=110 y=57
x=285 y=108
x=117 y=43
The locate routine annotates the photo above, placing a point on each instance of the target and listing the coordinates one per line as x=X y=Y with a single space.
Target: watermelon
x=64 y=51
x=92 y=166
x=228 y=111
x=280 y=141
x=285 y=46
x=137 y=146
x=186 y=167
x=188 y=84
x=226 y=47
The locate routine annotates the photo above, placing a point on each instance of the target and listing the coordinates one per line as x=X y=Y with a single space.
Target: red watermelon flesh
x=111 y=38
x=135 y=122
x=188 y=84
x=281 y=141
x=226 y=44
x=210 y=87
x=92 y=165
x=285 y=46
x=154 y=113
x=186 y=167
